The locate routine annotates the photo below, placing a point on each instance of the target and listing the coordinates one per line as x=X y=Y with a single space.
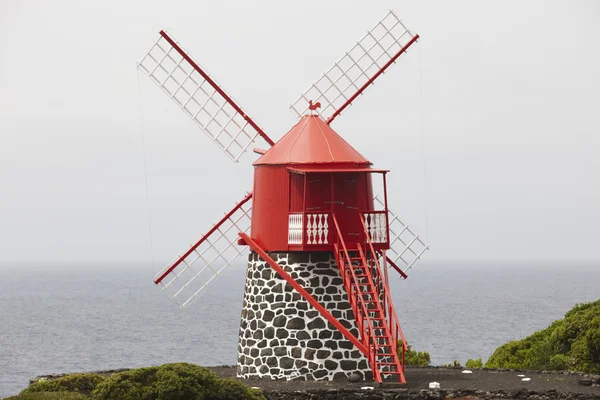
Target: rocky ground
x=480 y=384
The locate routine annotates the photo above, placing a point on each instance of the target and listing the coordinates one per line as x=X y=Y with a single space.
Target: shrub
x=128 y=385
x=172 y=382
x=79 y=383
x=474 y=364
x=413 y=358
x=453 y=364
x=572 y=343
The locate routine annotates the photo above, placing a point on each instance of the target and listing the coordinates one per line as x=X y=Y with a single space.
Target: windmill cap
x=312 y=141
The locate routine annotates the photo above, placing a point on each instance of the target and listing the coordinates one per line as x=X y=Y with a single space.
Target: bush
x=474 y=364
x=453 y=364
x=49 y=396
x=572 y=344
x=413 y=358
x=172 y=382
x=78 y=383
x=128 y=385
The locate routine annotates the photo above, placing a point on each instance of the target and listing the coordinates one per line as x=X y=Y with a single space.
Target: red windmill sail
x=358 y=68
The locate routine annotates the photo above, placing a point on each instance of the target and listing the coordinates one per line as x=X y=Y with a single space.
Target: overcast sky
x=504 y=95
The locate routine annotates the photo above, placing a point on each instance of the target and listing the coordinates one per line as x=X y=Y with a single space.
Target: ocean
x=89 y=317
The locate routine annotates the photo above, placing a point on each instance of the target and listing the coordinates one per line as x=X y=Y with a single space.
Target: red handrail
x=307 y=296
x=392 y=316
x=369 y=327
x=393 y=321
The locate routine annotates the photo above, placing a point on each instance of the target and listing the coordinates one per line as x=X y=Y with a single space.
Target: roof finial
x=312 y=107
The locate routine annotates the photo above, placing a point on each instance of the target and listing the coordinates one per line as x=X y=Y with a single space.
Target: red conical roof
x=311 y=141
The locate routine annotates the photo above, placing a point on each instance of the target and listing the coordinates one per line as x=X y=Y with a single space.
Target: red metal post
x=370 y=81
x=397 y=268
x=203 y=238
x=217 y=88
x=332 y=193
x=304 y=239
x=332 y=198
x=385 y=191
x=385 y=202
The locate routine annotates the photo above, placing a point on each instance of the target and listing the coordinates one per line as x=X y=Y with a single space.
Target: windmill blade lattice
x=337 y=88
x=406 y=247
x=186 y=278
x=194 y=91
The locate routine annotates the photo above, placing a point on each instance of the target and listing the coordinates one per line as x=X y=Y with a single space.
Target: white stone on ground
x=434 y=385
x=466 y=371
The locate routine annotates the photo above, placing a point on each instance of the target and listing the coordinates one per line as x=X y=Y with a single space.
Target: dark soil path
x=449 y=378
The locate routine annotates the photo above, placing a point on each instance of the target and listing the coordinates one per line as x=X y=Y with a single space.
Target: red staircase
x=369 y=296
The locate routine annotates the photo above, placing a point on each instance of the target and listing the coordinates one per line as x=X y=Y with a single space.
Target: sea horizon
x=86 y=317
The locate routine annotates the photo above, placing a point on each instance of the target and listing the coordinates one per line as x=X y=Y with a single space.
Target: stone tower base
x=282 y=336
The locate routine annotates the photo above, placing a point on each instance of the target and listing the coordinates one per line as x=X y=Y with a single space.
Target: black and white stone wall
x=282 y=336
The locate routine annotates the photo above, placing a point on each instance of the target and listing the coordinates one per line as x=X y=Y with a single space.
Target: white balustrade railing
x=295 y=228
x=314 y=228
x=317 y=228
x=376 y=224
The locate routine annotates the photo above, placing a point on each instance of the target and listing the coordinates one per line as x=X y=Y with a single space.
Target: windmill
x=317 y=302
